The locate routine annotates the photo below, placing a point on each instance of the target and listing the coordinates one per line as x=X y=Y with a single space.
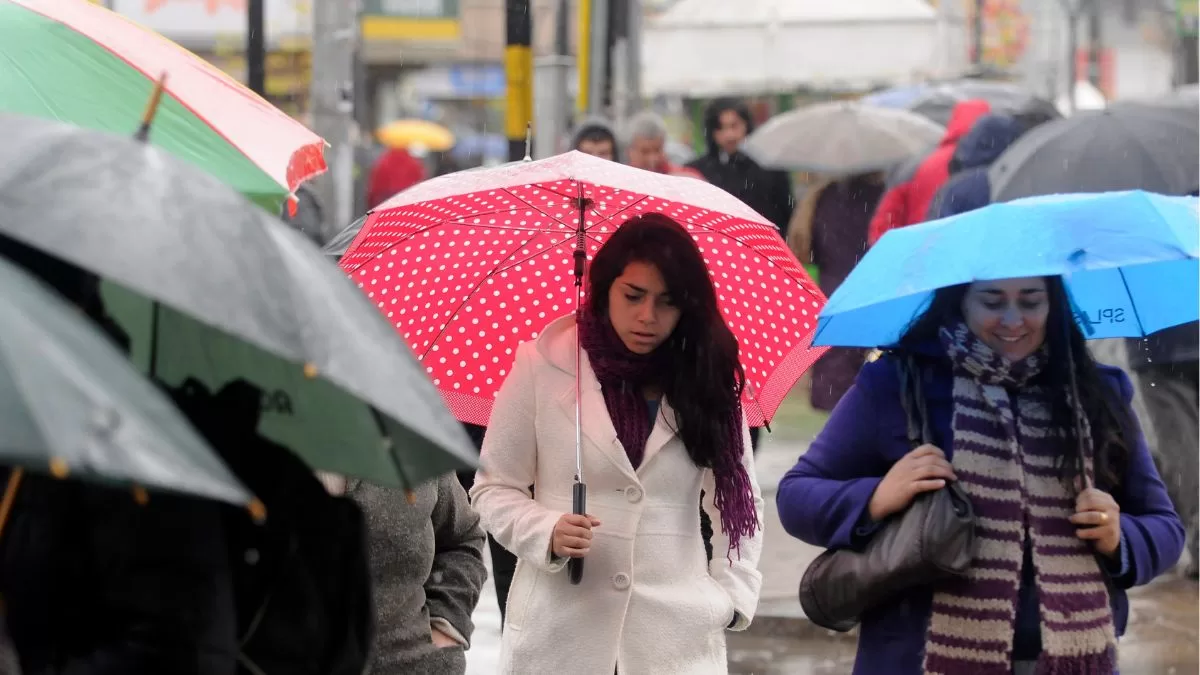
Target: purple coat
x=823 y=501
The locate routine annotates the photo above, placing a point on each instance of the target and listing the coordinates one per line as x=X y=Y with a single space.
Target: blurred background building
x=443 y=60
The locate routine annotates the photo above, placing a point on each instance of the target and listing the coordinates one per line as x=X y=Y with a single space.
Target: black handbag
x=932 y=540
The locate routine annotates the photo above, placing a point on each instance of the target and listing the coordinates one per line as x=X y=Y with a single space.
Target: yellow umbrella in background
x=405 y=133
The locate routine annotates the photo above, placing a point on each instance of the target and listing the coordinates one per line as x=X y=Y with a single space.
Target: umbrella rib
x=616 y=213
x=1139 y=141
x=756 y=252
x=1132 y=304
x=471 y=293
x=445 y=221
x=537 y=208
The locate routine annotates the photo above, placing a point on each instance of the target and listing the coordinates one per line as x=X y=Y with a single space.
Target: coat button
x=633 y=493
x=621 y=581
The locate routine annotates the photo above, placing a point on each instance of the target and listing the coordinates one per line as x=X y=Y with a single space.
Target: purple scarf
x=1005 y=456
x=623 y=376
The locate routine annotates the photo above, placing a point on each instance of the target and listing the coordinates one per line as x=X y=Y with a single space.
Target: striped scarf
x=1006 y=458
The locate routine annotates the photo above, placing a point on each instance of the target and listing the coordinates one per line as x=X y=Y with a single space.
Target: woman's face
x=640 y=308
x=730 y=131
x=1009 y=315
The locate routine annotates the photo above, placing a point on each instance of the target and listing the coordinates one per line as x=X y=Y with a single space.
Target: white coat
x=649 y=602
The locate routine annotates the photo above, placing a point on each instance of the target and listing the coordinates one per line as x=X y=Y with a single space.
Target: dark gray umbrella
x=341 y=241
x=71 y=405
x=1129 y=146
x=938 y=103
x=208 y=285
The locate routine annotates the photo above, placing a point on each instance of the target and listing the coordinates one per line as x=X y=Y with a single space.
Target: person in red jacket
x=907 y=202
x=395 y=171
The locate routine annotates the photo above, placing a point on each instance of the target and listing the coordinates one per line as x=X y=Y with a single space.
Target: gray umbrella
x=1129 y=146
x=71 y=405
x=841 y=137
x=209 y=286
x=938 y=103
x=341 y=241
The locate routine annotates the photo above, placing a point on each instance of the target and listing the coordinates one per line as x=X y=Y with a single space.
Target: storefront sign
x=201 y=24
x=411 y=20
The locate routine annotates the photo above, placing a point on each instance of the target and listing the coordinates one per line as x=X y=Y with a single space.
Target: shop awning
x=711 y=47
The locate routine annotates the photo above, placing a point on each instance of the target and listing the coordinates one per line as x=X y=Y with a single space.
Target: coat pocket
x=719 y=602
x=520 y=595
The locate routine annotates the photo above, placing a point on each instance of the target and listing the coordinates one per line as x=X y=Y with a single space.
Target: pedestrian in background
x=829 y=229
x=596 y=137
x=646 y=147
x=727 y=122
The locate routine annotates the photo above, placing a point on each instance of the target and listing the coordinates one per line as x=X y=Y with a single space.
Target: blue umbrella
x=896 y=97
x=1129 y=260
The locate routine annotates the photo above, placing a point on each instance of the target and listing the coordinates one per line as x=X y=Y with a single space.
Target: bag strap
x=912 y=400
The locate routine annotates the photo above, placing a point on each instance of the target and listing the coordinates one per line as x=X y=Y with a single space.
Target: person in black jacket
x=97 y=582
x=726 y=124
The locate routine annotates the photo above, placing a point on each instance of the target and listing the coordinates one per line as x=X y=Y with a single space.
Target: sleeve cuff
x=445 y=627
x=1120 y=565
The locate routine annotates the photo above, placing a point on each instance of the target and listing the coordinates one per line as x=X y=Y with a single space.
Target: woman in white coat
x=662 y=421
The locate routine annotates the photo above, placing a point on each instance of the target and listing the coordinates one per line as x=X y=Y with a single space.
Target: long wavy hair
x=1112 y=426
x=705 y=379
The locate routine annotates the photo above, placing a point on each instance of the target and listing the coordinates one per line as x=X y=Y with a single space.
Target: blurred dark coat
x=767 y=192
x=829 y=229
x=96 y=584
x=968 y=187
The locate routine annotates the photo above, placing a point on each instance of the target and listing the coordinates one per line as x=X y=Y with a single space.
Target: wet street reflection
x=1162 y=640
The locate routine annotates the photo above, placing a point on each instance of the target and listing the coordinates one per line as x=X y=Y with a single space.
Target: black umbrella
x=1129 y=146
x=938 y=103
x=209 y=286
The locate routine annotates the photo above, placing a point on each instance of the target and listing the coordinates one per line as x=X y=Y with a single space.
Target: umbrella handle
x=579 y=507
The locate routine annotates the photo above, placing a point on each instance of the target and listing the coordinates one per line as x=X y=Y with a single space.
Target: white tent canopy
x=712 y=47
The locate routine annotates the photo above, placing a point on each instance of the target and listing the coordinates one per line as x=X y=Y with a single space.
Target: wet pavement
x=1162 y=640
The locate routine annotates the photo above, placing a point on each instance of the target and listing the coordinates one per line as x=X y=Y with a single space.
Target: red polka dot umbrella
x=469 y=265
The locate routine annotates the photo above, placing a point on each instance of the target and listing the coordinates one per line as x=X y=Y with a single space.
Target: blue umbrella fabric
x=1129 y=260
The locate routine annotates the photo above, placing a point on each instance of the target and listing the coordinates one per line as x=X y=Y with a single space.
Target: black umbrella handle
x=579 y=507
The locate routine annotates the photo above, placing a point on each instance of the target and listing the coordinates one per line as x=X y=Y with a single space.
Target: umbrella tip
x=528 y=142
x=143 y=132
x=140 y=496
x=310 y=370
x=258 y=510
x=59 y=468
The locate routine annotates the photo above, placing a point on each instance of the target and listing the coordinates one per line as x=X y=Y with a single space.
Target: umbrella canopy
x=1129 y=146
x=80 y=63
x=336 y=247
x=1129 y=260
x=895 y=97
x=209 y=286
x=404 y=134
x=71 y=405
x=841 y=137
x=468 y=266
x=938 y=102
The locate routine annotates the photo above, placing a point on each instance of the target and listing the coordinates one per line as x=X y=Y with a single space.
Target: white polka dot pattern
x=468 y=276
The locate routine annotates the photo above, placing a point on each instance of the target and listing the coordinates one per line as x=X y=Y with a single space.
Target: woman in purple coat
x=1070 y=509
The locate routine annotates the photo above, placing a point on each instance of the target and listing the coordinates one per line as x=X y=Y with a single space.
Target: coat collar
x=557 y=345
